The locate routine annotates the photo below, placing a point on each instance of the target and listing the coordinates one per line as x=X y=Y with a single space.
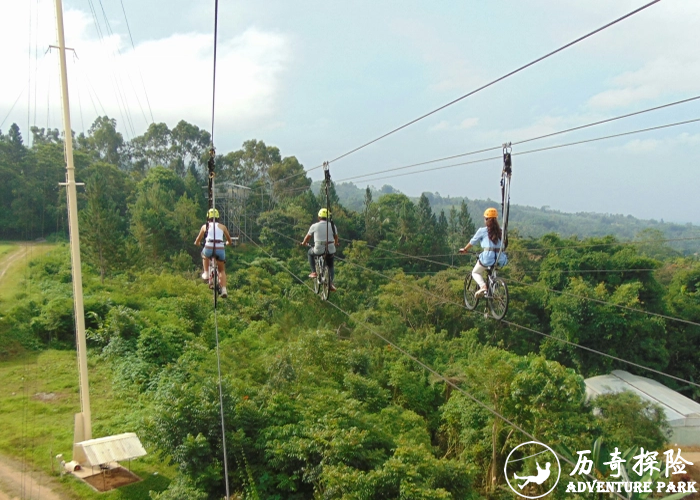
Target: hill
x=532 y=222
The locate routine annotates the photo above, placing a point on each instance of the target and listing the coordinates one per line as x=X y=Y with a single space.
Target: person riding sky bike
x=215 y=233
x=324 y=233
x=489 y=238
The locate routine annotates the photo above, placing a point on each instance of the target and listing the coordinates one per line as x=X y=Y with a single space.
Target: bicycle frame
x=496 y=293
x=322 y=280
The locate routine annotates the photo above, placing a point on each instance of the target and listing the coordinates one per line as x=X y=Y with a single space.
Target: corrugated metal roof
x=110 y=449
x=680 y=410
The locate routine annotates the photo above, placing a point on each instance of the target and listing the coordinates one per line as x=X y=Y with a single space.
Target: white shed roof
x=680 y=410
x=109 y=449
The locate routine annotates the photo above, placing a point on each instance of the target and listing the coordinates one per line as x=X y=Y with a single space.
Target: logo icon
x=537 y=453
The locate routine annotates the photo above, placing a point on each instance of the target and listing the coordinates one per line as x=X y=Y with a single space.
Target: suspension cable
x=423 y=365
x=538 y=150
x=537 y=138
x=510 y=323
x=213 y=90
x=641 y=311
x=211 y=164
x=531 y=63
x=605 y=302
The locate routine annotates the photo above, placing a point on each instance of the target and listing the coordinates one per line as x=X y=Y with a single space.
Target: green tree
x=107 y=143
x=102 y=227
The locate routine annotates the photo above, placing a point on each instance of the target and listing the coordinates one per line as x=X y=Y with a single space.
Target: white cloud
x=446 y=125
x=443 y=125
x=448 y=67
x=642 y=146
x=176 y=72
x=468 y=123
x=661 y=46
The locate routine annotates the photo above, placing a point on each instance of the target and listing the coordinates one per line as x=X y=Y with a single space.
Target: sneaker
x=480 y=292
x=312 y=275
x=333 y=288
x=224 y=292
x=205 y=276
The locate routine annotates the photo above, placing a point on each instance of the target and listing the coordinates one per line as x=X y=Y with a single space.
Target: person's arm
x=226 y=233
x=466 y=248
x=199 y=236
x=307 y=237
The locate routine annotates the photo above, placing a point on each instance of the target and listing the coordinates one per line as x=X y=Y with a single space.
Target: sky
x=318 y=79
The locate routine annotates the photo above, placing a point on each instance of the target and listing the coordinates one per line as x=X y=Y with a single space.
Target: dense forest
x=320 y=399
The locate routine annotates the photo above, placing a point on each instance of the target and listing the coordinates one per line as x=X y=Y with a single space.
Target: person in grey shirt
x=325 y=234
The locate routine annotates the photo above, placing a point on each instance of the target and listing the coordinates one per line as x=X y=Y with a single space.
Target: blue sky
x=319 y=78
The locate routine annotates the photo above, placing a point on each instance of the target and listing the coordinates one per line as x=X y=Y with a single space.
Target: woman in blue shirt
x=489 y=239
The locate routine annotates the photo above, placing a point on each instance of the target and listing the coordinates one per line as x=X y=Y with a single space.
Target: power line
x=13 y=107
x=148 y=101
x=545 y=136
x=498 y=79
x=421 y=363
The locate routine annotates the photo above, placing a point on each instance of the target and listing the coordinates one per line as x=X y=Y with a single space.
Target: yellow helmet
x=491 y=213
x=323 y=213
x=212 y=213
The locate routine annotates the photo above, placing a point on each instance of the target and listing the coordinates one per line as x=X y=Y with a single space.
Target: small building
x=682 y=413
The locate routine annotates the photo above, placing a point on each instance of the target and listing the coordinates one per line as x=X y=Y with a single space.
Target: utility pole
x=83 y=424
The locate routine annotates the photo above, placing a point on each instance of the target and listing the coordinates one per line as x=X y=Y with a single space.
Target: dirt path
x=7 y=261
x=15 y=484
x=28 y=485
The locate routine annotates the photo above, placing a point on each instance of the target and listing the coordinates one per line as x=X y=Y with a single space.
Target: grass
x=13 y=280
x=39 y=396
x=6 y=248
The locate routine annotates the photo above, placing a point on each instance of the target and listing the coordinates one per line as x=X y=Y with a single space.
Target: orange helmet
x=491 y=213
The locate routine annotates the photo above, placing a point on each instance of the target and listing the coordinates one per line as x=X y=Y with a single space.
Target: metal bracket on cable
x=211 y=163
x=326 y=172
x=507 y=148
x=505 y=192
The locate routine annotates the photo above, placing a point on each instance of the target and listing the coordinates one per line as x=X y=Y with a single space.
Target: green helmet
x=213 y=213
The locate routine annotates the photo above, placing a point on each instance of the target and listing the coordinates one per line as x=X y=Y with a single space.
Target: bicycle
x=214 y=283
x=496 y=293
x=322 y=281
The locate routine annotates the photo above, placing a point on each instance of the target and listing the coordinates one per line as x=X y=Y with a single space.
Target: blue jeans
x=220 y=253
x=329 y=262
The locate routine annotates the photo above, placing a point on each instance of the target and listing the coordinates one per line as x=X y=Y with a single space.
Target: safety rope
x=329 y=218
x=505 y=196
x=211 y=164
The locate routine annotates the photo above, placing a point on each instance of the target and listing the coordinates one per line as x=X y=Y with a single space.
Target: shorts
x=220 y=254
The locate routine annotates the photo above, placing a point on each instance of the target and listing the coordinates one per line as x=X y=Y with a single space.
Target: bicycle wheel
x=498 y=302
x=325 y=283
x=470 y=288
x=317 y=279
x=215 y=284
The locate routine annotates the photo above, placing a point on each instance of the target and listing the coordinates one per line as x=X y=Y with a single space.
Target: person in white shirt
x=215 y=233
x=489 y=238
x=325 y=235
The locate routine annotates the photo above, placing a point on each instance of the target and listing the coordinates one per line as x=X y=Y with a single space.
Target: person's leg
x=312 y=264
x=330 y=261
x=222 y=272
x=205 y=264
x=478 y=275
